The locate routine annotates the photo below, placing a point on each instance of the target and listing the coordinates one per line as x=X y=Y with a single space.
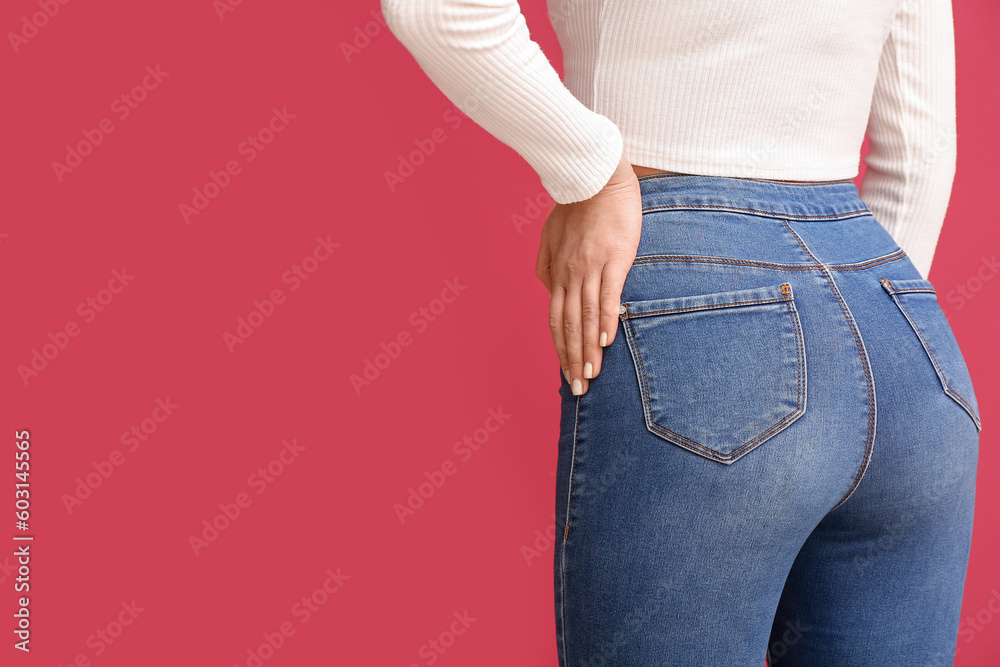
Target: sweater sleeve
x=912 y=129
x=480 y=55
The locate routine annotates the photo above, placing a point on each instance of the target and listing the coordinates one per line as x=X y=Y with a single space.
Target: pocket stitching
x=759 y=438
x=958 y=398
x=734 y=304
x=930 y=353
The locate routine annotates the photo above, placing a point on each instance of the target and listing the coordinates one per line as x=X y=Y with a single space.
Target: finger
x=573 y=336
x=612 y=282
x=556 y=301
x=543 y=261
x=590 y=309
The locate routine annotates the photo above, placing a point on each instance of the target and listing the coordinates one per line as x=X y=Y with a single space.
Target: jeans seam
x=701 y=259
x=733 y=304
x=749 y=178
x=796 y=183
x=778 y=215
x=572 y=465
x=800 y=344
x=859 y=266
x=859 y=343
x=640 y=371
x=562 y=554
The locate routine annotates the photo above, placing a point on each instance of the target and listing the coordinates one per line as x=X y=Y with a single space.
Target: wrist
x=622 y=177
x=623 y=173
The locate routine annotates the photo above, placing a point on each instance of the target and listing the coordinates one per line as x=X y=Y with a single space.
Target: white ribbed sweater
x=781 y=89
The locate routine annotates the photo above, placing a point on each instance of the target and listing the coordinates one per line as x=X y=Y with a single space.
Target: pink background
x=476 y=549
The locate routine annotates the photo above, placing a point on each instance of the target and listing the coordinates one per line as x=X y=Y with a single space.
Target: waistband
x=819 y=200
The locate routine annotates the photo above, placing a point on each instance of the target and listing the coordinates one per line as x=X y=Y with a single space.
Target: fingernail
x=604 y=338
x=566 y=374
x=577 y=387
x=588 y=370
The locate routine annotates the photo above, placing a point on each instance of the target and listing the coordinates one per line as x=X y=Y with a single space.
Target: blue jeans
x=779 y=455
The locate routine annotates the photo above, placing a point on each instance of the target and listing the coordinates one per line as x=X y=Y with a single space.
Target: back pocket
x=718 y=373
x=918 y=301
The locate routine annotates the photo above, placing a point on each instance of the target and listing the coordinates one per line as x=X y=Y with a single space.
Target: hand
x=586 y=251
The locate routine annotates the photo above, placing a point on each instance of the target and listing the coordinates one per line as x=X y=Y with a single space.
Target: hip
x=752 y=305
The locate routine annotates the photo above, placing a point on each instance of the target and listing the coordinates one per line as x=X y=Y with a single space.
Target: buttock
x=783 y=421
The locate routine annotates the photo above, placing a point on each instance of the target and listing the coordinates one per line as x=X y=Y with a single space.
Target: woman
x=769 y=436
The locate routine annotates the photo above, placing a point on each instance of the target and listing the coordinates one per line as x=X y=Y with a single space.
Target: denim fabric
x=779 y=454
